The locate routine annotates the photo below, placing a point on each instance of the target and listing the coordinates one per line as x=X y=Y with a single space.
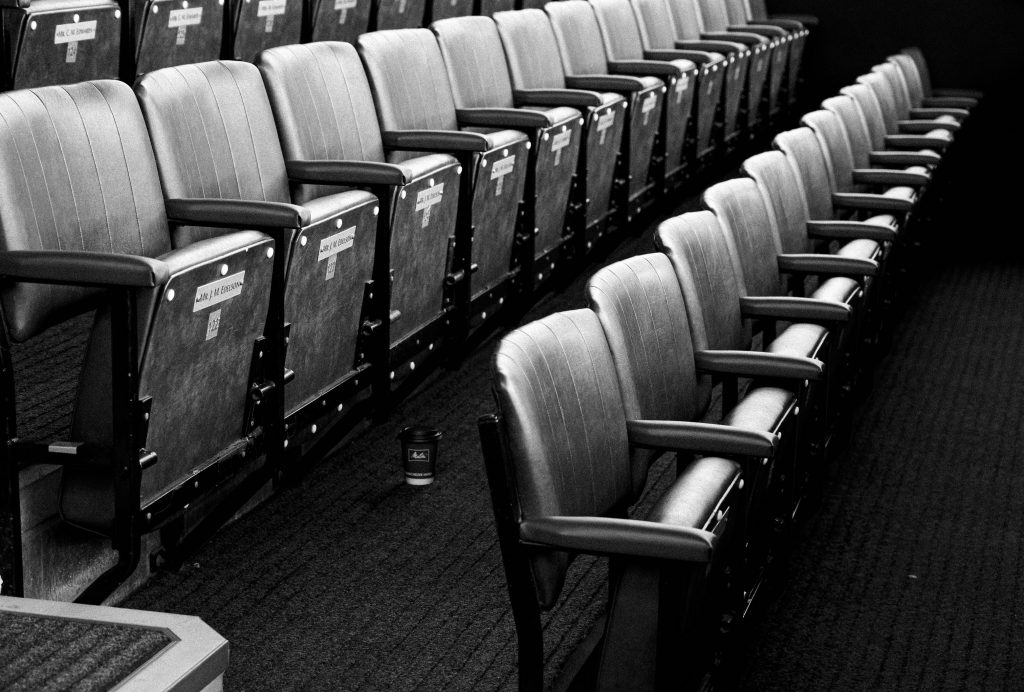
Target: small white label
x=503 y=167
x=192 y=16
x=401 y=6
x=648 y=105
x=268 y=8
x=218 y=291
x=79 y=31
x=179 y=39
x=332 y=264
x=333 y=244
x=213 y=324
x=559 y=142
x=604 y=122
x=345 y=4
x=72 y=52
x=429 y=197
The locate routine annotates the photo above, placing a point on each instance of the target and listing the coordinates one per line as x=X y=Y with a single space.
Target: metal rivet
x=501 y=301
x=270 y=252
x=32 y=25
x=145 y=416
x=223 y=270
x=184 y=3
x=430 y=183
x=312 y=428
x=664 y=89
x=117 y=14
x=286 y=441
x=483 y=315
x=74 y=18
x=337 y=223
x=170 y=294
x=504 y=152
x=303 y=240
x=341 y=406
x=625 y=105
x=741 y=484
x=719 y=515
x=546 y=137
x=376 y=210
x=528 y=146
x=156 y=9
x=581 y=122
x=483 y=163
x=412 y=365
x=459 y=170
x=402 y=194
x=540 y=277
x=392 y=374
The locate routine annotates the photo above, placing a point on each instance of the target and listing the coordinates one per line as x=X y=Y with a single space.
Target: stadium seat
x=717 y=24
x=752 y=54
x=160 y=414
x=560 y=486
x=586 y=66
x=957 y=98
x=220 y=169
x=176 y=32
x=328 y=127
x=949 y=110
x=254 y=25
x=397 y=14
x=626 y=55
x=535 y=70
x=478 y=73
x=896 y=109
x=654 y=19
x=794 y=34
x=416 y=112
x=59 y=42
x=862 y=139
x=895 y=148
x=337 y=20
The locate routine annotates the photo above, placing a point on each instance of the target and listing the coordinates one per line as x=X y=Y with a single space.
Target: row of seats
x=784 y=281
x=63 y=41
x=273 y=250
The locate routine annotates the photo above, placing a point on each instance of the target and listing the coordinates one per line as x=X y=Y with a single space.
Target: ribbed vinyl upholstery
x=833 y=140
x=579 y=37
x=812 y=165
x=871 y=109
x=897 y=86
x=558 y=393
x=783 y=191
x=886 y=98
x=688 y=23
x=715 y=15
x=695 y=243
x=907 y=68
x=619 y=29
x=855 y=126
x=64 y=187
x=530 y=49
x=475 y=60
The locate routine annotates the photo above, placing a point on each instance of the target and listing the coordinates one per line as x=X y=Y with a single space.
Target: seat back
x=564 y=420
x=531 y=49
x=214 y=135
x=758 y=10
x=619 y=29
x=579 y=37
x=715 y=15
x=488 y=8
x=397 y=14
x=475 y=61
x=444 y=9
x=339 y=20
x=831 y=134
x=870 y=108
x=654 y=20
x=898 y=85
x=409 y=82
x=749 y=230
x=907 y=69
x=856 y=127
x=323 y=105
x=736 y=11
x=170 y=32
x=811 y=163
x=783 y=192
x=687 y=21
x=63 y=186
x=643 y=313
x=263 y=24
x=917 y=55
x=697 y=247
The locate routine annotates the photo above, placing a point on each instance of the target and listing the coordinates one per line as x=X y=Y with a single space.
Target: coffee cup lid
x=419 y=433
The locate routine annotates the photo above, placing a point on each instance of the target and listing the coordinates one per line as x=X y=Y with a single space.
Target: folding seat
x=716 y=61
x=176 y=32
x=715 y=294
x=643 y=312
x=337 y=20
x=59 y=42
x=587 y=66
x=397 y=14
x=255 y=25
x=887 y=85
x=535 y=71
x=955 y=98
x=909 y=78
x=219 y=157
x=561 y=476
x=160 y=412
x=416 y=112
x=626 y=55
x=328 y=128
x=753 y=59
x=795 y=34
x=718 y=25
x=478 y=73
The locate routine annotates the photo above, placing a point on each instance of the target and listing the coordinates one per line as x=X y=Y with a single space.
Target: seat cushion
x=800 y=339
x=697 y=494
x=838 y=289
x=762 y=409
x=901 y=192
x=862 y=247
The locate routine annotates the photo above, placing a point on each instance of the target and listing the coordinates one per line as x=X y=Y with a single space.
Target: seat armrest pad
x=759 y=364
x=962 y=102
x=575 y=98
x=849 y=230
x=434 y=140
x=794 y=309
x=904 y=158
x=871 y=202
x=642 y=68
x=624 y=537
x=604 y=82
x=504 y=118
x=975 y=94
x=236 y=213
x=701 y=438
x=920 y=127
x=889 y=176
x=830 y=265
x=782 y=22
x=916 y=142
x=80 y=268
x=698 y=57
x=713 y=46
x=761 y=29
x=933 y=112
x=346 y=173
x=751 y=38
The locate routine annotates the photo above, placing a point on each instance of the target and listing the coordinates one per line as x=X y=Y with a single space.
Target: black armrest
x=850 y=230
x=870 y=202
x=236 y=213
x=504 y=118
x=604 y=82
x=80 y=268
x=933 y=112
x=642 y=68
x=575 y=98
x=794 y=309
x=889 y=176
x=748 y=40
x=346 y=173
x=782 y=22
x=762 y=29
x=830 y=265
x=904 y=158
x=698 y=57
x=759 y=364
x=922 y=127
x=434 y=140
x=916 y=142
x=973 y=94
x=613 y=536
x=714 y=46
x=701 y=438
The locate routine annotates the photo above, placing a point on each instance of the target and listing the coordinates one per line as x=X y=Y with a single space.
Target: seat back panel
x=399 y=14
x=871 y=110
x=603 y=139
x=475 y=61
x=831 y=134
x=557 y=153
x=855 y=126
x=445 y=9
x=263 y=24
x=618 y=29
x=531 y=49
x=171 y=34
x=340 y=20
x=811 y=163
x=579 y=37
x=782 y=191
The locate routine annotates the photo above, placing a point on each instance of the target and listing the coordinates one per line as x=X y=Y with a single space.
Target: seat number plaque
x=218 y=291
x=426 y=199
x=500 y=169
